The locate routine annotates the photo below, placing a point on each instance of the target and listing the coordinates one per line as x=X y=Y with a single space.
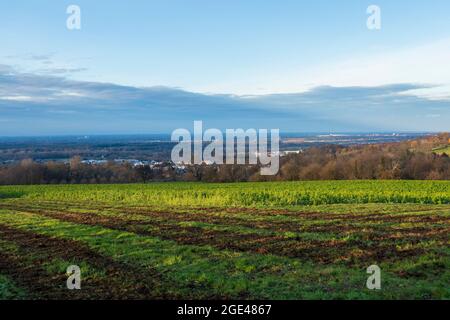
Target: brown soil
x=380 y=247
x=121 y=281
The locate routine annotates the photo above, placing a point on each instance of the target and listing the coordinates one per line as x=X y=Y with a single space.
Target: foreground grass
x=197 y=241
x=9 y=290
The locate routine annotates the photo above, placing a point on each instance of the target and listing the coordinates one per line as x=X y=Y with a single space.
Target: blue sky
x=247 y=48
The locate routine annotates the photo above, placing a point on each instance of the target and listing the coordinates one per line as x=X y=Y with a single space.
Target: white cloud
x=65 y=93
x=17 y=98
x=425 y=64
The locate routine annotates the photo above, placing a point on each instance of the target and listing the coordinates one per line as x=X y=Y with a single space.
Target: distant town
x=154 y=150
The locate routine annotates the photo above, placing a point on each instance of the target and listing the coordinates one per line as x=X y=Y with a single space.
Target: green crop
x=273 y=194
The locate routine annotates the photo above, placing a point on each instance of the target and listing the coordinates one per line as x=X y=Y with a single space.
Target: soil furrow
x=121 y=281
x=328 y=251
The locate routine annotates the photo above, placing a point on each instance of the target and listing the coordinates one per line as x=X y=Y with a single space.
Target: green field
x=279 y=240
x=442 y=150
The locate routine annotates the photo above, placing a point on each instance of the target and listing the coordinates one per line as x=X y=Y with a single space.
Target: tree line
x=413 y=159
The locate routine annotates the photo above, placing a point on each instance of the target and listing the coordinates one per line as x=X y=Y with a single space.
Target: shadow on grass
x=11 y=194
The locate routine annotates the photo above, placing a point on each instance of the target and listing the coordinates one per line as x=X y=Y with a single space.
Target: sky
x=246 y=51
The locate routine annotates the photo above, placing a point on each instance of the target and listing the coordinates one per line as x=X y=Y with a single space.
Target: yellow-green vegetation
x=300 y=240
x=442 y=150
x=273 y=194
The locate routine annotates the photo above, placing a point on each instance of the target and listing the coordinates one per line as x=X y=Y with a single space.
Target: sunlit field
x=282 y=240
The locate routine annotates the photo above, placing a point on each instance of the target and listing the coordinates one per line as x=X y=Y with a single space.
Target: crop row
x=273 y=194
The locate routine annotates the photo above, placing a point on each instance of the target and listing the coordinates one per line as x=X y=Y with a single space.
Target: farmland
x=442 y=150
x=277 y=240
